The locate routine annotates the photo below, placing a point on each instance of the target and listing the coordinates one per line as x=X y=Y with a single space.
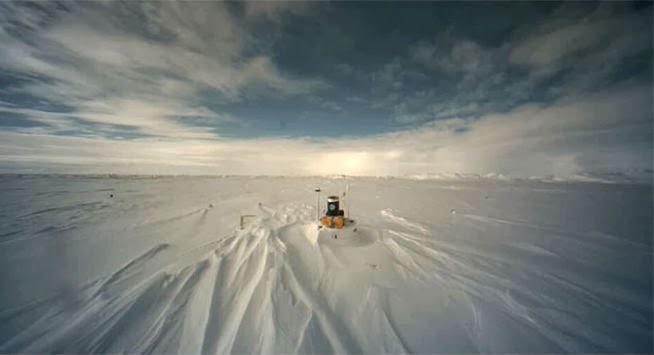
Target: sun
x=355 y=163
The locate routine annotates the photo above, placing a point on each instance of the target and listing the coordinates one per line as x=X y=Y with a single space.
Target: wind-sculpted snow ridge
x=435 y=268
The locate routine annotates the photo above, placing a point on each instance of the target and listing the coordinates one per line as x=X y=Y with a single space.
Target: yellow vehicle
x=334 y=222
x=334 y=216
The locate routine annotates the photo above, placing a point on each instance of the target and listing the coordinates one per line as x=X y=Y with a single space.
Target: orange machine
x=334 y=216
x=332 y=222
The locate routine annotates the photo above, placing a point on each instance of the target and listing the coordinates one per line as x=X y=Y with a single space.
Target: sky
x=326 y=88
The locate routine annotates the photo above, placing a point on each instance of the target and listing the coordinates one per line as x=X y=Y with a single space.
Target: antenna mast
x=347 y=205
x=317 y=190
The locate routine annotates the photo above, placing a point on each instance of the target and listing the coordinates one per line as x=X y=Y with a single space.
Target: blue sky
x=382 y=88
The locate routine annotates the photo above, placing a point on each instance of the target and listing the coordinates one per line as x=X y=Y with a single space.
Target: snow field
x=162 y=267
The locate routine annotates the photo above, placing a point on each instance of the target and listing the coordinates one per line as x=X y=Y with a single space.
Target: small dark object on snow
x=211 y=205
x=111 y=195
x=354 y=230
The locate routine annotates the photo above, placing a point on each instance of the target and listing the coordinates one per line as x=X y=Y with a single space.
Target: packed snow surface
x=127 y=264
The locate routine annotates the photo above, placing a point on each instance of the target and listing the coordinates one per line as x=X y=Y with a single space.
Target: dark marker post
x=317 y=190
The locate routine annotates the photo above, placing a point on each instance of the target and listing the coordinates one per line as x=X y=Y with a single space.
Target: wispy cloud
x=111 y=69
x=570 y=52
x=157 y=87
x=531 y=140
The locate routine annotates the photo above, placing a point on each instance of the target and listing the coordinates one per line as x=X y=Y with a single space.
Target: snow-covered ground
x=109 y=264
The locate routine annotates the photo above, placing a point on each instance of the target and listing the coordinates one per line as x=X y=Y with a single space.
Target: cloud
x=585 y=51
x=274 y=10
x=559 y=139
x=452 y=56
x=158 y=86
x=567 y=36
x=571 y=52
x=144 y=71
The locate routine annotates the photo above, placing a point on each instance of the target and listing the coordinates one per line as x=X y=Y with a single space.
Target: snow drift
x=111 y=264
